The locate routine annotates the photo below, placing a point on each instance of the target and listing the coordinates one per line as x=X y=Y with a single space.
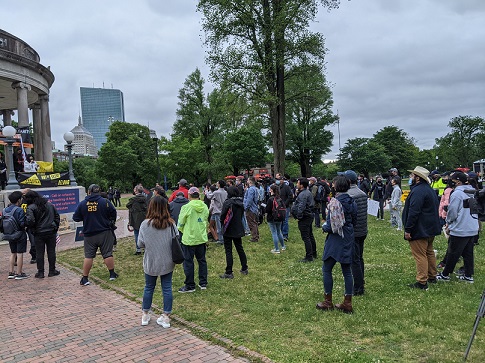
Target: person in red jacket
x=182 y=188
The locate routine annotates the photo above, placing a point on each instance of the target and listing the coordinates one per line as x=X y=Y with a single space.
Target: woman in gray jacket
x=155 y=235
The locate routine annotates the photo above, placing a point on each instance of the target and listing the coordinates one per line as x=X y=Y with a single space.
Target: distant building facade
x=84 y=143
x=100 y=107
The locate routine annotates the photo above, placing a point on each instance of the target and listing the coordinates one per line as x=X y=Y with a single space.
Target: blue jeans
x=245 y=223
x=284 y=226
x=199 y=252
x=328 y=278
x=150 y=282
x=135 y=232
x=316 y=217
x=217 y=217
x=275 y=228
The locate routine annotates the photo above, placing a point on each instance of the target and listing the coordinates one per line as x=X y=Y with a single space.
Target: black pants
x=306 y=232
x=43 y=242
x=240 y=251
x=358 y=264
x=324 y=210
x=460 y=246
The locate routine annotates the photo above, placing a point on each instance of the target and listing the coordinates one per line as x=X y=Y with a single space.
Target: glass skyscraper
x=99 y=108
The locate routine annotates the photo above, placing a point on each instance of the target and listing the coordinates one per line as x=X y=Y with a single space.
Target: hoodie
x=176 y=206
x=460 y=222
x=193 y=221
x=96 y=213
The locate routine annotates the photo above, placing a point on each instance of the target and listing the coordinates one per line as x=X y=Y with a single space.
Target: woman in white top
x=155 y=235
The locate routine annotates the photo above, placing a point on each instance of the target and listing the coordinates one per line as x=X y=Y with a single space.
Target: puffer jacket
x=303 y=206
x=360 y=198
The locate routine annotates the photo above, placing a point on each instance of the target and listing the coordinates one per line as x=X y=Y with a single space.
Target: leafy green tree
x=199 y=117
x=363 y=155
x=127 y=157
x=464 y=144
x=182 y=158
x=398 y=146
x=85 y=171
x=308 y=113
x=245 y=148
x=252 y=42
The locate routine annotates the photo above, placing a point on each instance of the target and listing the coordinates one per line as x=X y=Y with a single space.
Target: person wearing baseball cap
x=98 y=216
x=462 y=228
x=192 y=222
x=182 y=188
x=421 y=224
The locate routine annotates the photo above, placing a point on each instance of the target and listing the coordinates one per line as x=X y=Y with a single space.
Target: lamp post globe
x=9 y=131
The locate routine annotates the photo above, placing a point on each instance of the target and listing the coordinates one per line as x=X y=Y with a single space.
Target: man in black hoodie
x=98 y=216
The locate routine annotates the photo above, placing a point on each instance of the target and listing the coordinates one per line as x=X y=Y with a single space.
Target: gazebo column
x=22 y=103
x=7 y=117
x=46 y=128
x=37 y=124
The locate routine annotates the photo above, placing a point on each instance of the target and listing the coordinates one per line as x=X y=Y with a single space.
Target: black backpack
x=320 y=194
x=279 y=210
x=10 y=227
x=476 y=203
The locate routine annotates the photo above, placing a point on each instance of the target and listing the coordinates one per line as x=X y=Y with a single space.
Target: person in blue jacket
x=342 y=214
x=98 y=216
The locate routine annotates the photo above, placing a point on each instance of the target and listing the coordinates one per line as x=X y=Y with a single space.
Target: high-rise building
x=99 y=108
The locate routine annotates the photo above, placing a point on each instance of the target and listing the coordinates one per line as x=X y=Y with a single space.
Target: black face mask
x=451 y=183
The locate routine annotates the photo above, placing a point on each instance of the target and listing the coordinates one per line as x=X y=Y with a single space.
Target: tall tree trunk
x=279 y=128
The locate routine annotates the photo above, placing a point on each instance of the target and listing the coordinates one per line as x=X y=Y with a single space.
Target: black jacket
x=137 y=207
x=42 y=222
x=235 y=228
x=286 y=194
x=175 y=207
x=420 y=214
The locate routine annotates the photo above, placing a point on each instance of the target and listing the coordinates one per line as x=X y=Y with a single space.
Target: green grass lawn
x=272 y=310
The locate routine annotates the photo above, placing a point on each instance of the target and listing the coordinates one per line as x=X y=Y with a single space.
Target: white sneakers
x=164 y=321
x=145 y=318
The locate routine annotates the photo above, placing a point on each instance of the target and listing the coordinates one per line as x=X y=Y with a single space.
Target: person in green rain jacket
x=192 y=224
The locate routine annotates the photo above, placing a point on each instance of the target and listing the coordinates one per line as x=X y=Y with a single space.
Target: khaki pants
x=423 y=253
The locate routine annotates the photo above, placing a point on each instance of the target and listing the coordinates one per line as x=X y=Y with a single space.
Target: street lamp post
x=9 y=132
x=436 y=162
x=69 y=138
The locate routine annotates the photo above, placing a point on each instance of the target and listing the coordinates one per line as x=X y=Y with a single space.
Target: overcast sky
x=413 y=64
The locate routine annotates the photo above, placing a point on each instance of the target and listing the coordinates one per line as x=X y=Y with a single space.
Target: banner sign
x=65 y=200
x=43 y=180
x=23 y=133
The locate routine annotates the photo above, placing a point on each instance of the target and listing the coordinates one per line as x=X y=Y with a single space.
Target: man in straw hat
x=421 y=224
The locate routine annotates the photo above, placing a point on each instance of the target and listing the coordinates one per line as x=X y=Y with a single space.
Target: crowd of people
x=230 y=209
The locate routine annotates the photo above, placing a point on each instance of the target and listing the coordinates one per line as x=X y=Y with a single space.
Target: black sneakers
x=54 y=273
x=84 y=281
x=113 y=276
x=226 y=276
x=418 y=285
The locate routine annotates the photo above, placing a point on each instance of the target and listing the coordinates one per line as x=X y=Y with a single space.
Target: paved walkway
x=56 y=320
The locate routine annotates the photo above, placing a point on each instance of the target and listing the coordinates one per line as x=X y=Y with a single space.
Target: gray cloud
x=409 y=63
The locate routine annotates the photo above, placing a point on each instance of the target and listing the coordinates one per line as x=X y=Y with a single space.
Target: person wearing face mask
x=462 y=226
x=421 y=224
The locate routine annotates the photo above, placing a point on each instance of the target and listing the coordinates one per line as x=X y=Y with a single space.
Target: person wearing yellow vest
x=437 y=183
